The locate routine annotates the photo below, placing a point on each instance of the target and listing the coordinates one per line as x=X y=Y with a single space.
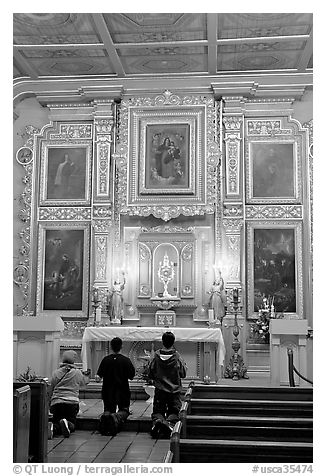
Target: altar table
x=209 y=340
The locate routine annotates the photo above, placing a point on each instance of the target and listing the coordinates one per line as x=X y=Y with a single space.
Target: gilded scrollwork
x=102 y=211
x=100 y=257
x=232 y=139
x=64 y=213
x=25 y=157
x=265 y=212
x=232 y=225
x=101 y=225
x=187 y=252
x=233 y=210
x=104 y=138
x=167 y=229
x=73 y=132
x=266 y=128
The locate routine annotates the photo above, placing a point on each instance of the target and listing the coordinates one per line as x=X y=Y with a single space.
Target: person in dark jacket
x=166 y=370
x=115 y=369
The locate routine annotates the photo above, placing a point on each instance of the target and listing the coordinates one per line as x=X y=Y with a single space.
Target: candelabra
x=236 y=368
x=96 y=301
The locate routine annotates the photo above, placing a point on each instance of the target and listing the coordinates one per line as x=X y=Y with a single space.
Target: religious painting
x=166 y=157
x=65 y=175
x=272 y=171
x=275 y=267
x=63 y=269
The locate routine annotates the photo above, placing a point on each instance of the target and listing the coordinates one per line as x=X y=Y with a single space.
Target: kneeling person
x=64 y=394
x=115 y=369
x=166 y=370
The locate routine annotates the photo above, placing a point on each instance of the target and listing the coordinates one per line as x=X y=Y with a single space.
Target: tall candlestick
x=235 y=294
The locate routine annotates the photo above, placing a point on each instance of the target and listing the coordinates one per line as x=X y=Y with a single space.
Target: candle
x=210 y=315
x=95 y=294
x=235 y=294
x=98 y=315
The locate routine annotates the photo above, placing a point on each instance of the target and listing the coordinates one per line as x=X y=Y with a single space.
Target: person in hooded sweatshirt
x=64 y=394
x=166 y=370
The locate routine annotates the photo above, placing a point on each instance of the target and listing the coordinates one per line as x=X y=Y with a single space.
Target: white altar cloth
x=136 y=334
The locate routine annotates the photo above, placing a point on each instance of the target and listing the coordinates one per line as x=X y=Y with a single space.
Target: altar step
x=258 y=359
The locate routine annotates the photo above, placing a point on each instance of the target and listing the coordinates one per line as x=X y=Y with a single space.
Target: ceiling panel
x=249 y=25
x=257 y=61
x=71 y=66
x=48 y=28
x=148 y=27
x=164 y=64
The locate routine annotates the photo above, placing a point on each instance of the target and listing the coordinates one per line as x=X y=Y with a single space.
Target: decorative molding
x=101 y=226
x=265 y=212
x=64 y=213
x=232 y=225
x=167 y=206
x=104 y=139
x=233 y=242
x=102 y=211
x=100 y=257
x=232 y=123
x=167 y=229
x=72 y=131
x=187 y=252
x=232 y=139
x=266 y=128
x=233 y=210
x=21 y=273
x=73 y=329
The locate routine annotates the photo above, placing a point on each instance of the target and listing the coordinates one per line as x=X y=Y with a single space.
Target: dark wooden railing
x=292 y=369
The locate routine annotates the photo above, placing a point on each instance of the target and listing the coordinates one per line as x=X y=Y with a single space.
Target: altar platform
x=203 y=349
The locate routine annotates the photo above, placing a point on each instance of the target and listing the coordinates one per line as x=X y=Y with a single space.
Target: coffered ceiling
x=129 y=45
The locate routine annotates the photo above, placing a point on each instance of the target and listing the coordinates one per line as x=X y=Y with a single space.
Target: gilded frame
x=53 y=189
x=140 y=119
x=276 y=228
x=273 y=170
x=56 y=236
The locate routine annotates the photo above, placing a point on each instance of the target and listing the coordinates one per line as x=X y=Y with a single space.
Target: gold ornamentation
x=232 y=225
x=100 y=257
x=266 y=128
x=265 y=212
x=102 y=211
x=73 y=132
x=64 y=213
x=101 y=226
x=235 y=211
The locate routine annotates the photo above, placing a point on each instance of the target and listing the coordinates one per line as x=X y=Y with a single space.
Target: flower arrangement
x=29 y=376
x=260 y=328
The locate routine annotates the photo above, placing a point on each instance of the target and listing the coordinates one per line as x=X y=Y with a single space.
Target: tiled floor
x=92 y=447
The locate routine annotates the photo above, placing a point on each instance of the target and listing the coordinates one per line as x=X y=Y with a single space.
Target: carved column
x=103 y=184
